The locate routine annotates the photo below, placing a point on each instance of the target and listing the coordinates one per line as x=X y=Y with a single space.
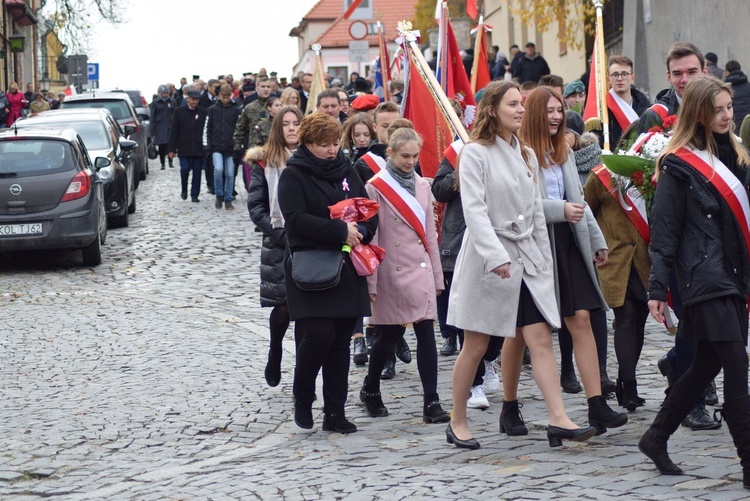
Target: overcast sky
x=163 y=41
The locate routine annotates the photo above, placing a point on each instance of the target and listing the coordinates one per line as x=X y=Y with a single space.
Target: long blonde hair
x=698 y=110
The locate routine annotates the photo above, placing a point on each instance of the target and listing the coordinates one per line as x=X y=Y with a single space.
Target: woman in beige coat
x=576 y=242
x=404 y=288
x=503 y=283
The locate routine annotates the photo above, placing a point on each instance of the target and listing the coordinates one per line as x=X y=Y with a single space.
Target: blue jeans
x=194 y=165
x=223 y=175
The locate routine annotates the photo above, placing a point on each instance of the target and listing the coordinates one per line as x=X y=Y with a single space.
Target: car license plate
x=12 y=230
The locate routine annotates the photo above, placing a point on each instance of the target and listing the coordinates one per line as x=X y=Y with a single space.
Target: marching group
x=554 y=252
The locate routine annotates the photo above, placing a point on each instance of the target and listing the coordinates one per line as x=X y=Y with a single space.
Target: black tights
x=599 y=327
x=713 y=356
x=630 y=322
x=279 y=324
x=387 y=336
x=163 y=151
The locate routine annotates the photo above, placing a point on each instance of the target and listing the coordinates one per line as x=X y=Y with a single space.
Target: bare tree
x=74 y=20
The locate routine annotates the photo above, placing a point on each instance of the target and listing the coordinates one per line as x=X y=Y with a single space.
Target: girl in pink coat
x=405 y=286
x=16 y=103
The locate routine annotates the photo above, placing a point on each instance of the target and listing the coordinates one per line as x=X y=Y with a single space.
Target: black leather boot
x=737 y=414
x=433 y=412
x=712 y=398
x=370 y=396
x=403 y=352
x=338 y=423
x=568 y=381
x=389 y=371
x=608 y=386
x=601 y=416
x=629 y=395
x=360 y=351
x=273 y=367
x=511 y=420
x=653 y=443
x=369 y=337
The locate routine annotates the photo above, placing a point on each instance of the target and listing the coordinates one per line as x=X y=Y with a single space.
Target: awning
x=21 y=12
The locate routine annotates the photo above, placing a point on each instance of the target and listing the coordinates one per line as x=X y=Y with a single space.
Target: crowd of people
x=15 y=104
x=555 y=252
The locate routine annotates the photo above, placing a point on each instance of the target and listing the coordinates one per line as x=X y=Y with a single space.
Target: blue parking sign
x=93 y=71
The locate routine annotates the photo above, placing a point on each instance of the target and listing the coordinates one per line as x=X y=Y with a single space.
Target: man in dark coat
x=304 y=92
x=186 y=140
x=741 y=100
x=531 y=65
x=622 y=85
x=162 y=111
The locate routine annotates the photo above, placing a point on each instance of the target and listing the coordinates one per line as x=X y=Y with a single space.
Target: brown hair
x=319 y=128
x=622 y=60
x=698 y=109
x=347 y=139
x=401 y=137
x=386 y=107
x=226 y=90
x=551 y=81
x=270 y=101
x=399 y=123
x=535 y=128
x=275 y=150
x=328 y=93
x=684 y=49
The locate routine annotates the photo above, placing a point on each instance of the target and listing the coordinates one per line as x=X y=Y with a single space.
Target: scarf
x=405 y=179
x=327 y=170
x=273 y=173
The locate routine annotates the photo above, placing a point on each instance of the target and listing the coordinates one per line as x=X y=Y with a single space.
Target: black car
x=51 y=196
x=102 y=137
x=121 y=107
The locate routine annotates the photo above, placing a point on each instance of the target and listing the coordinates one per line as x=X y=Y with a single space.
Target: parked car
x=51 y=196
x=102 y=137
x=141 y=108
x=120 y=106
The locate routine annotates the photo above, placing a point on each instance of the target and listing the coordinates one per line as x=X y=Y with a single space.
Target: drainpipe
x=5 y=44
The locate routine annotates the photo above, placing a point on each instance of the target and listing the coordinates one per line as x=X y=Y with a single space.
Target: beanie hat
x=574 y=122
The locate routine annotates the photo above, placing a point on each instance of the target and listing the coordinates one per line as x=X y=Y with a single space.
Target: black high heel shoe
x=556 y=435
x=451 y=438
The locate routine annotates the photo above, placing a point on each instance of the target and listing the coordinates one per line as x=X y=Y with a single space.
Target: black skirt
x=577 y=292
x=719 y=319
x=635 y=289
x=528 y=313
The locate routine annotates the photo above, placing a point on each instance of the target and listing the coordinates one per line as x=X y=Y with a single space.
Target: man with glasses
x=684 y=62
x=624 y=101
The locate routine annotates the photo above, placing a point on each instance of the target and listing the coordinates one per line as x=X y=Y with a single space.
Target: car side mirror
x=128 y=144
x=129 y=129
x=101 y=162
x=143 y=117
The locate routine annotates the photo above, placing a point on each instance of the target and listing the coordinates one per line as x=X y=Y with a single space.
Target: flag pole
x=384 y=63
x=443 y=62
x=421 y=65
x=601 y=74
x=477 y=49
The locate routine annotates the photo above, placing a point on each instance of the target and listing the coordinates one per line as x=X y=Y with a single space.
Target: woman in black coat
x=162 y=109
x=267 y=164
x=317 y=176
x=700 y=228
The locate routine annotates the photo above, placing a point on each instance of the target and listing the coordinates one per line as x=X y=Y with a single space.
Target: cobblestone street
x=143 y=379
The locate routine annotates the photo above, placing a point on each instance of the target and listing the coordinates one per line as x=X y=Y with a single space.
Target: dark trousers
x=384 y=344
x=324 y=343
x=442 y=309
x=194 y=165
x=492 y=352
x=713 y=356
x=209 y=167
x=163 y=152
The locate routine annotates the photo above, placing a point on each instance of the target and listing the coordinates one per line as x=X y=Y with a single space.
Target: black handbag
x=317 y=269
x=152 y=153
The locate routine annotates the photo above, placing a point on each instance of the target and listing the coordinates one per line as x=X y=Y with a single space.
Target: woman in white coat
x=503 y=283
x=576 y=243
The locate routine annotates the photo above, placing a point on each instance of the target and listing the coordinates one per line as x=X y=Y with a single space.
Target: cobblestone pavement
x=143 y=379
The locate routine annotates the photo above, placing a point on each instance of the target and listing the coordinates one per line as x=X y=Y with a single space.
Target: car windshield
x=34 y=157
x=117 y=107
x=93 y=133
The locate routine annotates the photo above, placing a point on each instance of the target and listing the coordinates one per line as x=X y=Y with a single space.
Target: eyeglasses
x=618 y=76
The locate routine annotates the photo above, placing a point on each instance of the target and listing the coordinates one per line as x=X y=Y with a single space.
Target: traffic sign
x=358 y=30
x=359 y=51
x=93 y=71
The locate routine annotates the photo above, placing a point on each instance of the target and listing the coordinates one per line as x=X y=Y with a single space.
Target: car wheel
x=92 y=254
x=132 y=206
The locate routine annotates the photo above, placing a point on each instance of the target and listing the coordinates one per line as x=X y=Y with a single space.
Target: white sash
x=627 y=110
x=407 y=197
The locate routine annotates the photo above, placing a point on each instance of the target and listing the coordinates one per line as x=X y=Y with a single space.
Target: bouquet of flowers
x=365 y=257
x=634 y=166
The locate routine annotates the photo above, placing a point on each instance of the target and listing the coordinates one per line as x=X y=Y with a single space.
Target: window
x=340 y=72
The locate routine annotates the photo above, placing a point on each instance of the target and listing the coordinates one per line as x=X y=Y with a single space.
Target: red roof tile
x=325 y=9
x=388 y=12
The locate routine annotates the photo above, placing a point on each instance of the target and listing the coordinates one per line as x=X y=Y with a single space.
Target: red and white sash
x=660 y=110
x=632 y=197
x=452 y=151
x=623 y=112
x=726 y=183
x=403 y=202
x=374 y=162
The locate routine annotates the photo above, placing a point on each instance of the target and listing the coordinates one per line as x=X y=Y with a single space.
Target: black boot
x=569 y=382
x=601 y=416
x=433 y=412
x=303 y=414
x=273 y=367
x=712 y=398
x=369 y=337
x=360 y=351
x=338 y=423
x=653 y=443
x=629 y=395
x=403 y=352
x=389 y=371
x=608 y=386
x=737 y=414
x=370 y=396
x=511 y=420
